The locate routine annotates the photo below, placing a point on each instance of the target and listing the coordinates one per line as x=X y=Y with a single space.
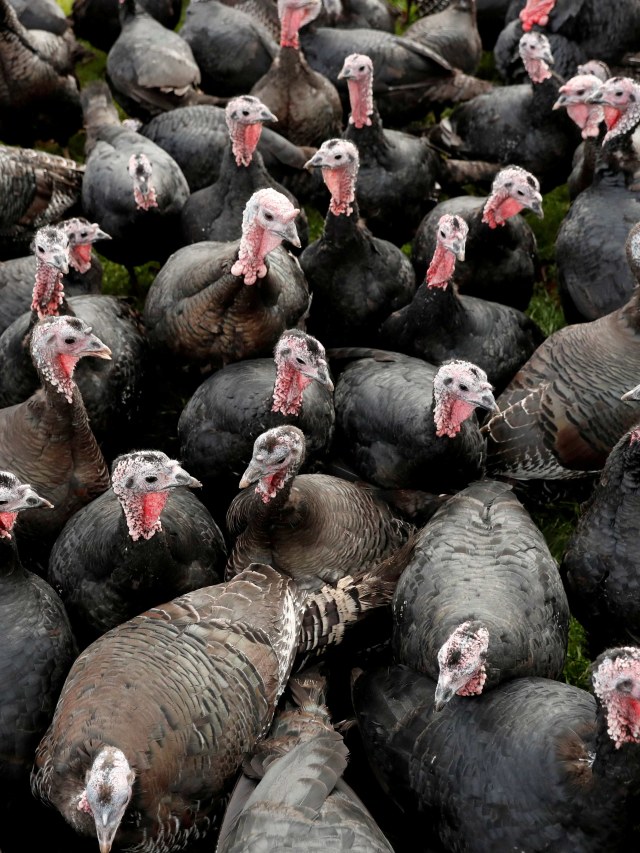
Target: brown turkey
x=156 y=716
x=214 y=303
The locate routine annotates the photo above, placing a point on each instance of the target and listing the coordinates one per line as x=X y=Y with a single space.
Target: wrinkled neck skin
x=57 y=373
x=287 y=392
x=255 y=245
x=7 y=521
x=80 y=257
x=536 y=12
x=244 y=139
x=498 y=208
x=273 y=489
x=361 y=100
x=538 y=70
x=450 y=413
x=474 y=686
x=48 y=291
x=145 y=197
x=620 y=765
x=588 y=117
x=441 y=268
x=289 y=27
x=341 y=185
x=142 y=513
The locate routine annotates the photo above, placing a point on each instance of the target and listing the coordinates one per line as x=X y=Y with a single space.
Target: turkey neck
x=371 y=141
x=342 y=229
x=616 y=773
x=435 y=308
x=12 y=572
x=291 y=63
x=251 y=176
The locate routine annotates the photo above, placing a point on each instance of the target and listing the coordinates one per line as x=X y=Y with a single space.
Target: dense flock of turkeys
x=332 y=625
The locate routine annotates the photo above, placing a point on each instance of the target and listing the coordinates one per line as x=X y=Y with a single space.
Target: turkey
x=316 y=528
x=516 y=124
x=41 y=15
x=481 y=600
x=356 y=279
x=451 y=32
x=501 y=253
x=299 y=793
x=533 y=765
x=398 y=172
x=38 y=99
x=600 y=565
x=150 y=68
x=147 y=737
x=403 y=423
x=306 y=103
x=47 y=440
x=38 y=189
x=133 y=188
x=98 y=22
x=593 y=274
x=233 y=49
x=214 y=303
x=561 y=414
x=144 y=541
x=230 y=409
x=215 y=212
x=37 y=650
x=439 y=324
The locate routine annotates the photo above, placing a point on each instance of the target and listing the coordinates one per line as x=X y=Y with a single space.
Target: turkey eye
x=245 y=112
x=151 y=479
x=624 y=686
x=338 y=156
x=442 y=234
x=520 y=192
x=463 y=387
x=448 y=380
x=69 y=340
x=361 y=68
x=300 y=360
x=268 y=216
x=83 y=233
x=2 y=503
x=41 y=248
x=619 y=94
x=580 y=91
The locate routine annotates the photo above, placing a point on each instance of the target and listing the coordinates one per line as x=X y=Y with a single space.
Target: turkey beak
x=458 y=250
x=30 y=499
x=289 y=232
x=325 y=379
x=634 y=394
x=251 y=475
x=105 y=830
x=100 y=235
x=345 y=74
x=60 y=261
x=315 y=162
x=184 y=478
x=596 y=97
x=535 y=205
x=442 y=696
x=561 y=102
x=267 y=115
x=95 y=347
x=484 y=398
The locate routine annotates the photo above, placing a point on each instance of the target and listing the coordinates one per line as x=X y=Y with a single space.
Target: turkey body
x=157 y=687
x=229 y=410
x=517 y=762
x=97 y=21
x=452 y=33
x=105 y=578
x=384 y=426
x=500 y=264
x=481 y=558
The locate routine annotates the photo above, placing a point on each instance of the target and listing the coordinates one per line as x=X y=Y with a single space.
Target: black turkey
x=501 y=252
x=147 y=737
x=214 y=303
x=41 y=15
x=98 y=21
x=404 y=423
x=37 y=650
x=356 y=279
x=452 y=32
x=481 y=600
x=144 y=541
x=533 y=765
x=440 y=324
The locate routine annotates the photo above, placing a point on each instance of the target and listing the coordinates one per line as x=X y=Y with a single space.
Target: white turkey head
x=244 y=117
x=109 y=785
x=339 y=161
x=277 y=457
x=82 y=234
x=268 y=219
x=461 y=661
x=574 y=96
x=536 y=12
x=450 y=242
x=51 y=248
x=513 y=188
x=616 y=683
x=596 y=67
x=299 y=360
x=295 y=14
x=535 y=53
x=458 y=388
x=141 y=172
x=57 y=344
x=620 y=99
x=358 y=72
x=142 y=481
x=14 y=497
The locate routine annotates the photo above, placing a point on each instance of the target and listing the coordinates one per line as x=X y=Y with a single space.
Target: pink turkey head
x=51 y=248
x=620 y=98
x=82 y=234
x=14 y=497
x=339 y=161
x=616 y=683
x=299 y=360
x=536 y=12
x=450 y=241
x=57 y=344
x=574 y=96
x=109 y=785
x=268 y=219
x=141 y=172
x=535 y=53
x=458 y=388
x=142 y=481
x=277 y=457
x=513 y=188
x=294 y=14
x=358 y=72
x=461 y=660
x=244 y=116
